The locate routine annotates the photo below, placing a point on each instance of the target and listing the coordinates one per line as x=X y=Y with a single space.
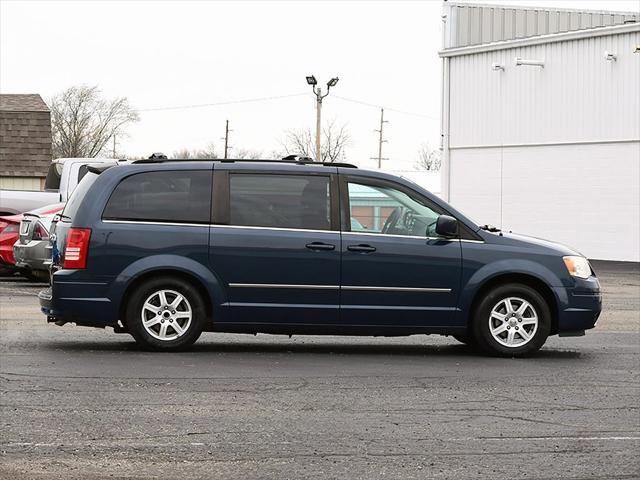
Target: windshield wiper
x=490 y=228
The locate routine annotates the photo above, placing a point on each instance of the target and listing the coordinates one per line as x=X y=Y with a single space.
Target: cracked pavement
x=85 y=403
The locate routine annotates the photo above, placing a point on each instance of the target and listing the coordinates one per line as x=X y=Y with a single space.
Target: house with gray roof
x=25 y=141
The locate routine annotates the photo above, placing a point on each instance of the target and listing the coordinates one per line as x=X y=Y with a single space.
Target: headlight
x=578 y=266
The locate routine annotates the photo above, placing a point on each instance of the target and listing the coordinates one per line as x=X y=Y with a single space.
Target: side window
x=166 y=196
x=285 y=201
x=377 y=209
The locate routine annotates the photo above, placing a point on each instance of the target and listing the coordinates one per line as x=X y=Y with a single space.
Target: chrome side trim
x=335 y=287
x=401 y=236
x=283 y=285
x=177 y=224
x=145 y=222
x=283 y=229
x=396 y=289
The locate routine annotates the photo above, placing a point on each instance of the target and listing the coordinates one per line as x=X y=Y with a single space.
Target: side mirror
x=447 y=226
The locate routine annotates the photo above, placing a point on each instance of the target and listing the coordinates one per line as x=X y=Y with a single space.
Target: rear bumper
x=580 y=306
x=32 y=255
x=72 y=300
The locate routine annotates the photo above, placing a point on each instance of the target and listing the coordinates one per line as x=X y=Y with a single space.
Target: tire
x=512 y=320
x=6 y=271
x=35 y=275
x=178 y=321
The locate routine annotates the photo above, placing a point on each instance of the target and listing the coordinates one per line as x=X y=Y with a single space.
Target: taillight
x=10 y=228
x=77 y=248
x=39 y=232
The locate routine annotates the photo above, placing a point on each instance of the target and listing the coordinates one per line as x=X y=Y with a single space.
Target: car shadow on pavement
x=315 y=348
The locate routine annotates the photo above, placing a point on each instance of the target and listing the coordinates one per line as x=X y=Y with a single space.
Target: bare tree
x=245 y=154
x=428 y=158
x=83 y=123
x=335 y=140
x=209 y=152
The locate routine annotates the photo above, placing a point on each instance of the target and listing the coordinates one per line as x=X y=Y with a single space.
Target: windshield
x=78 y=194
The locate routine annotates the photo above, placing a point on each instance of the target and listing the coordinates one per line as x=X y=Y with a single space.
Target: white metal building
x=541 y=123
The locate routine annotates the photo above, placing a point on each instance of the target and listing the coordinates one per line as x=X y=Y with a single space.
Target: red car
x=10 y=231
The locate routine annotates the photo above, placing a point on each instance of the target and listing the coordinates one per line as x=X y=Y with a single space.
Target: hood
x=537 y=243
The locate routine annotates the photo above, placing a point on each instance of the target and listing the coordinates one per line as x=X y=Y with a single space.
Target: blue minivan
x=165 y=249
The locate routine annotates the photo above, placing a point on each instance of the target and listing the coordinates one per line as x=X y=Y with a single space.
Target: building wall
x=585 y=196
x=577 y=96
x=555 y=151
x=21 y=183
x=25 y=143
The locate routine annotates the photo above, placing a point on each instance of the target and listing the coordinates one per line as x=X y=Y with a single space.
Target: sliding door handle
x=361 y=248
x=320 y=246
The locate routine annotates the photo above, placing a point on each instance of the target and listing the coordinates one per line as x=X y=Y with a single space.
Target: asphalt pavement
x=86 y=403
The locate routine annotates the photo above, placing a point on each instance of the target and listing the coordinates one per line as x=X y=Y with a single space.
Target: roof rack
x=294 y=159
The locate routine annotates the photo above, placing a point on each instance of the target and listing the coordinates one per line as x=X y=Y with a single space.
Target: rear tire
x=7 y=271
x=512 y=320
x=165 y=314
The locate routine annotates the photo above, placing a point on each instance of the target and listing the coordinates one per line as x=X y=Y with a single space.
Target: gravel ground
x=85 y=403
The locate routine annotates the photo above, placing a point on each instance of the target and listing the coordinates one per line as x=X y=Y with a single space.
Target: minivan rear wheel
x=165 y=313
x=512 y=320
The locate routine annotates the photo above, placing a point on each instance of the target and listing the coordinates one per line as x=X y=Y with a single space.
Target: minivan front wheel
x=512 y=320
x=165 y=314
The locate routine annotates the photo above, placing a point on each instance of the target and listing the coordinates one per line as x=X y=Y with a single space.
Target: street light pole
x=311 y=80
x=318 y=122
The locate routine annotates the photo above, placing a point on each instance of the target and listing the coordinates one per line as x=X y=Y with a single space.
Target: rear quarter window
x=78 y=194
x=166 y=196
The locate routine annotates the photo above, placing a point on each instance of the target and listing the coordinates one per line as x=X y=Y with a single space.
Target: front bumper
x=580 y=305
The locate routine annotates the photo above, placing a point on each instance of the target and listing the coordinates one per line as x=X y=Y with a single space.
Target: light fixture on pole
x=311 y=80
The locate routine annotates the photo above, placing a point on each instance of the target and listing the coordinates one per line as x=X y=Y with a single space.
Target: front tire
x=512 y=320
x=165 y=314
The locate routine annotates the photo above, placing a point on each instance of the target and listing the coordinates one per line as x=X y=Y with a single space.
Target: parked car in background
x=32 y=251
x=165 y=250
x=10 y=233
x=62 y=178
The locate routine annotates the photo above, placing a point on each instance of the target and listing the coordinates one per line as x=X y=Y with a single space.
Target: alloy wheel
x=166 y=315
x=513 y=322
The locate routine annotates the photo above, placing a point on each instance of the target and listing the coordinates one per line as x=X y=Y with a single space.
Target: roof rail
x=297 y=160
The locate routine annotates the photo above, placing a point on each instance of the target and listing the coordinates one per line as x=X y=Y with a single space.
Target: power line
x=396 y=110
x=216 y=104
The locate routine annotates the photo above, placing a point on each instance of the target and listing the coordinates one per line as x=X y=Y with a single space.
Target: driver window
x=376 y=209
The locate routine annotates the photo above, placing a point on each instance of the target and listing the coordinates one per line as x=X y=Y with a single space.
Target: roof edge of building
x=541 y=39
x=533 y=7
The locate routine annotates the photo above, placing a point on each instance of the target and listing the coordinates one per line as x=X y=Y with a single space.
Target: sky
x=167 y=54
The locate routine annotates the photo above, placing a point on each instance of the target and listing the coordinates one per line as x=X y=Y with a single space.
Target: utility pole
x=226 y=139
x=311 y=80
x=114 y=145
x=380 y=139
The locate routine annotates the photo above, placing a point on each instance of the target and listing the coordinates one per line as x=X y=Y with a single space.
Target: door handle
x=320 y=246
x=361 y=248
